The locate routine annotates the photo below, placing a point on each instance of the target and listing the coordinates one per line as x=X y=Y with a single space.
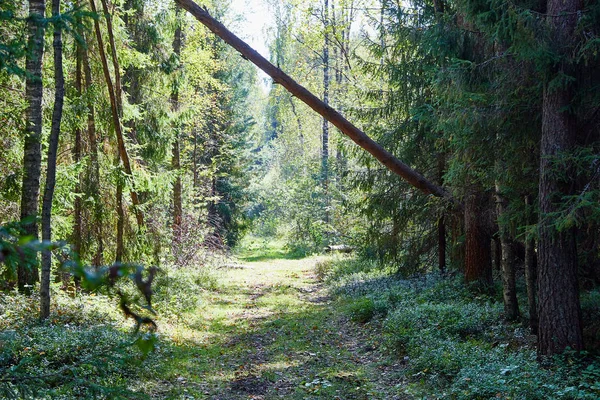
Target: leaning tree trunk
x=559 y=311
x=360 y=138
x=59 y=95
x=114 y=94
x=32 y=153
x=478 y=251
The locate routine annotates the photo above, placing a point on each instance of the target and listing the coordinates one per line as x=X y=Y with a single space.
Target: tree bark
x=531 y=275
x=59 y=95
x=507 y=262
x=116 y=108
x=558 y=292
x=360 y=138
x=32 y=152
x=175 y=160
x=95 y=163
x=478 y=251
x=325 y=138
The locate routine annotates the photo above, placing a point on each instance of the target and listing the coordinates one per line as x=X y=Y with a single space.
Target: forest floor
x=269 y=325
x=271 y=331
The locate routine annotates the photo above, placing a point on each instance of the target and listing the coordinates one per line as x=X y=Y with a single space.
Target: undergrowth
x=451 y=339
x=86 y=349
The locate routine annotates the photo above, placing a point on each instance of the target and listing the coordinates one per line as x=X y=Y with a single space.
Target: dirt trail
x=273 y=332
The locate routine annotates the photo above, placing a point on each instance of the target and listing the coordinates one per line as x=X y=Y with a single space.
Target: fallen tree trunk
x=346 y=127
x=339 y=248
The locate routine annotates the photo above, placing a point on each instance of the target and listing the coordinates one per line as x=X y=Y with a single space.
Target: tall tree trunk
x=77 y=153
x=478 y=251
x=457 y=248
x=120 y=251
x=51 y=169
x=360 y=138
x=94 y=183
x=507 y=263
x=175 y=160
x=531 y=275
x=325 y=139
x=116 y=105
x=32 y=152
x=558 y=292
x=441 y=225
x=298 y=121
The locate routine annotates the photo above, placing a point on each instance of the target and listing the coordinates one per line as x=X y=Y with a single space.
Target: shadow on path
x=272 y=333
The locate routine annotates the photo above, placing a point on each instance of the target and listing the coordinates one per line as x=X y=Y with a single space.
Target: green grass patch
x=253 y=249
x=236 y=331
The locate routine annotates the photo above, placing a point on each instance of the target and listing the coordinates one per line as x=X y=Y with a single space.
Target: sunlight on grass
x=259 y=332
x=253 y=249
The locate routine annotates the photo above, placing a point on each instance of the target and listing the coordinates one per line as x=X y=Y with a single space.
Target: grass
x=253 y=249
x=263 y=329
x=314 y=328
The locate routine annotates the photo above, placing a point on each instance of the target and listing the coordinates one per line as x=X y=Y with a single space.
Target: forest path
x=271 y=332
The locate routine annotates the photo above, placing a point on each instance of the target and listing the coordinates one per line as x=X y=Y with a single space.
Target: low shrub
x=362 y=310
x=462 y=320
x=453 y=342
x=53 y=361
x=178 y=292
x=323 y=269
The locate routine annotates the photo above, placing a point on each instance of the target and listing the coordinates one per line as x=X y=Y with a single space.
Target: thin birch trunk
x=59 y=80
x=32 y=152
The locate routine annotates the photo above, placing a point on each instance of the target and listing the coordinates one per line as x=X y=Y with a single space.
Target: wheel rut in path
x=273 y=332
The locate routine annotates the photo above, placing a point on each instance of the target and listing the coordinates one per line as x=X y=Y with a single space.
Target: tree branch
x=360 y=138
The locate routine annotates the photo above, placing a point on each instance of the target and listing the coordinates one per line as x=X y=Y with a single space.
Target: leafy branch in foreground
x=125 y=280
